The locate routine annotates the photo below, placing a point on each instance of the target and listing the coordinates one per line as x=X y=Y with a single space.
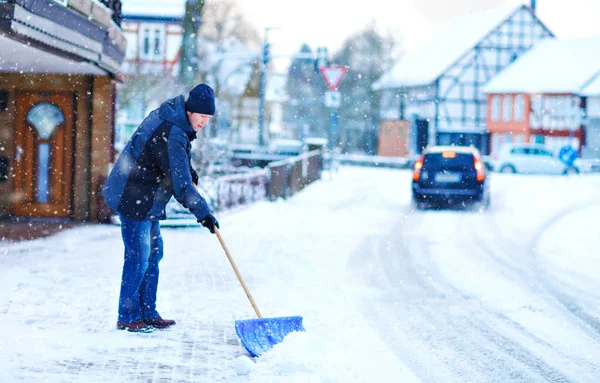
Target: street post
x=333 y=75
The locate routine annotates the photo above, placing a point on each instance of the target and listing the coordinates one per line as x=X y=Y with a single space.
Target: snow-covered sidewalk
x=58 y=296
x=569 y=249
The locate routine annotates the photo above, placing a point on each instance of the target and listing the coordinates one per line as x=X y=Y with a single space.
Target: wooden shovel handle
x=237 y=273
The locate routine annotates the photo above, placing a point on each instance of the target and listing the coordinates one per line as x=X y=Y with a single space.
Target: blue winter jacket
x=154 y=166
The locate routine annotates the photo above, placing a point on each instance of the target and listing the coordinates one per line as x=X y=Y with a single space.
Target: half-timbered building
x=541 y=98
x=438 y=89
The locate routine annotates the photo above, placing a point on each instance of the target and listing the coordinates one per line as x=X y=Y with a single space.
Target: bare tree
x=224 y=22
x=224 y=26
x=149 y=89
x=188 y=60
x=305 y=87
x=369 y=54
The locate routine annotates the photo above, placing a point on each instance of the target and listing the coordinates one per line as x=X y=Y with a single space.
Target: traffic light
x=266 y=52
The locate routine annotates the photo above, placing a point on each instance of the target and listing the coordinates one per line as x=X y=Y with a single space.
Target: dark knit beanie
x=201 y=100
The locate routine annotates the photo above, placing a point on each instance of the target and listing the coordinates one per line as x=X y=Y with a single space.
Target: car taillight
x=479 y=169
x=418 y=167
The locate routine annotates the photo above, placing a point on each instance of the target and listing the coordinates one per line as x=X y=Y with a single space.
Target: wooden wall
x=393 y=138
x=94 y=122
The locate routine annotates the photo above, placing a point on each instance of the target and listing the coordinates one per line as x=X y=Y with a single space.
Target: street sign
x=333 y=75
x=333 y=99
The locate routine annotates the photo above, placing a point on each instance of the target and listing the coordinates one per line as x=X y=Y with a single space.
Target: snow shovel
x=259 y=335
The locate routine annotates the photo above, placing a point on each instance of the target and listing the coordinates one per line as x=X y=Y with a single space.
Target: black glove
x=210 y=222
x=194 y=176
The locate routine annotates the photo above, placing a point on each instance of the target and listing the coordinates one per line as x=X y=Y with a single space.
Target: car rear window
x=450 y=161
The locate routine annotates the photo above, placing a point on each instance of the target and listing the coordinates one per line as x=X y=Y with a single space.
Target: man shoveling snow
x=154 y=166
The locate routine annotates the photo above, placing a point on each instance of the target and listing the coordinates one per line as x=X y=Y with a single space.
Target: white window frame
x=496 y=101
x=157 y=43
x=151 y=31
x=145 y=36
x=519 y=107
x=507 y=108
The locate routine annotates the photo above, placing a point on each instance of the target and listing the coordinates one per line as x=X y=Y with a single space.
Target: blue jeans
x=143 y=251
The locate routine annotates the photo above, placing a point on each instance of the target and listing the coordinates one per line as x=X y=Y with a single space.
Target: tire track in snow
x=442 y=319
x=590 y=324
x=545 y=284
x=518 y=260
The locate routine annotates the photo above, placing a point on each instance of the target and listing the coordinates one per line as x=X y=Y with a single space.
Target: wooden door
x=44 y=154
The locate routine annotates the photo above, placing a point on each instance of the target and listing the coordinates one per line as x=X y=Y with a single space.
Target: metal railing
x=280 y=179
x=234 y=190
x=291 y=175
x=371 y=161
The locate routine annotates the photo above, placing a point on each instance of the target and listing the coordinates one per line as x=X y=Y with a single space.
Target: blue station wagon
x=450 y=175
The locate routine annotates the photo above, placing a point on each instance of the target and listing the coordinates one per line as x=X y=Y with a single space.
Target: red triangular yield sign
x=333 y=75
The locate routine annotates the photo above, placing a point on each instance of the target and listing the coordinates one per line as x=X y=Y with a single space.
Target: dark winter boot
x=159 y=323
x=137 y=326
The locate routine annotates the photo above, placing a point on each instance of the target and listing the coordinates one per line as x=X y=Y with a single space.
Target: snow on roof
x=593 y=88
x=154 y=8
x=426 y=64
x=552 y=66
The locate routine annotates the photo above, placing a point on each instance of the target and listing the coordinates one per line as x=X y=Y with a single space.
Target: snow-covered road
x=388 y=294
x=469 y=296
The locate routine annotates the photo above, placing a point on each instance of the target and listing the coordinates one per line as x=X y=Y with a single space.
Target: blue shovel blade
x=260 y=335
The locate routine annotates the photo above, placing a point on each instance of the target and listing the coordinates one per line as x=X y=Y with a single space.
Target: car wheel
x=508 y=169
x=571 y=170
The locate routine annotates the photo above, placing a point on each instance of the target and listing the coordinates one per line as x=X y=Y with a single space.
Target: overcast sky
x=329 y=22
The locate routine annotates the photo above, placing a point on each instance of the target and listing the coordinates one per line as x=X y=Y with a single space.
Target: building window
x=507 y=138
x=146 y=42
x=536 y=113
x=519 y=107
x=157 y=42
x=507 y=108
x=496 y=108
x=537 y=104
x=519 y=138
x=45 y=118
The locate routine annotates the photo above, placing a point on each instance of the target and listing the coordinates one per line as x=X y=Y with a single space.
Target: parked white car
x=531 y=158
